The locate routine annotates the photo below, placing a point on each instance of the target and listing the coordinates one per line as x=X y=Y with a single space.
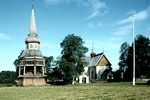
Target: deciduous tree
x=142 y=58
x=73 y=50
x=48 y=64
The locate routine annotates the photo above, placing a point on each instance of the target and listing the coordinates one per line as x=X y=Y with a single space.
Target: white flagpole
x=133 y=52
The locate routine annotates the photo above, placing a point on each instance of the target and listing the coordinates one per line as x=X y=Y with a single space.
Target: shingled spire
x=32 y=23
x=32 y=36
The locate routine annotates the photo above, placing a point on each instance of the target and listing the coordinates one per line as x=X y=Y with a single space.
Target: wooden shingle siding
x=103 y=62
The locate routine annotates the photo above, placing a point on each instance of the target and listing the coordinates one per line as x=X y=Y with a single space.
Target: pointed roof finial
x=32 y=4
x=93 y=47
x=32 y=36
x=92 y=53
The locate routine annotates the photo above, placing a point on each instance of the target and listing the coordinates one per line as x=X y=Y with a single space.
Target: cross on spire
x=32 y=4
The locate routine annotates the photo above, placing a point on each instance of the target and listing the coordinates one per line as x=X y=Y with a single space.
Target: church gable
x=103 y=61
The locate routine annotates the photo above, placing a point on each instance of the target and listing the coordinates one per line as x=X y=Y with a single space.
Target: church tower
x=31 y=69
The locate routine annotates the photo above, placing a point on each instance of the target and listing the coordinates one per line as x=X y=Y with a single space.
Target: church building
x=31 y=67
x=98 y=68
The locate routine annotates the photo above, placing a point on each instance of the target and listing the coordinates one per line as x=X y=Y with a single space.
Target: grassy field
x=92 y=91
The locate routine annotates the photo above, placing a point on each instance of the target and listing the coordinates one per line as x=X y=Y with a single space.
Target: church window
x=31 y=46
x=35 y=46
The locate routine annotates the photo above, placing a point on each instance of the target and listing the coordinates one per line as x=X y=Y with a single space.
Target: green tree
x=142 y=61
x=142 y=57
x=55 y=73
x=124 y=50
x=48 y=63
x=7 y=77
x=71 y=62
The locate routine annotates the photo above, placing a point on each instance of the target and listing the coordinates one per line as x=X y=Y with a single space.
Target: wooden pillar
x=34 y=65
x=43 y=61
x=24 y=70
x=43 y=67
x=34 y=70
x=19 y=70
x=43 y=70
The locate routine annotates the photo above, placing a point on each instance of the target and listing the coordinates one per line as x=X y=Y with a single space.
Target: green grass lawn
x=92 y=91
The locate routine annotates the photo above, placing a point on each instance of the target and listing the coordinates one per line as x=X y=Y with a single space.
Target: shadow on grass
x=58 y=82
x=142 y=84
x=7 y=85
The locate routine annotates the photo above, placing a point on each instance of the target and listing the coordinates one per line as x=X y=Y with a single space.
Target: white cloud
x=125 y=21
x=140 y=16
x=98 y=8
x=143 y=15
x=131 y=12
x=94 y=14
x=123 y=30
x=56 y=2
x=4 y=36
x=125 y=25
x=95 y=25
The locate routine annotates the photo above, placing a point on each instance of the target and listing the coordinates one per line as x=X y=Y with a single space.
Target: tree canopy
x=7 y=77
x=49 y=66
x=48 y=63
x=142 y=61
x=73 y=50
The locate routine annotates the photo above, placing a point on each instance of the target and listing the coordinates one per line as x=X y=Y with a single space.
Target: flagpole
x=133 y=52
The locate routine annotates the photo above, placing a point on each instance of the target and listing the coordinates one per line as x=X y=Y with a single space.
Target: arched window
x=36 y=46
x=31 y=46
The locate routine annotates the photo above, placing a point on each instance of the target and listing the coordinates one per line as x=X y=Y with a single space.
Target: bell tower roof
x=32 y=36
x=32 y=23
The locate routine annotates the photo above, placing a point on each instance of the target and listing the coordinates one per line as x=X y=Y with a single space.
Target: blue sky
x=106 y=22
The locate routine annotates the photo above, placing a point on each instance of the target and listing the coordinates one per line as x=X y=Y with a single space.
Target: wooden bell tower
x=31 y=69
